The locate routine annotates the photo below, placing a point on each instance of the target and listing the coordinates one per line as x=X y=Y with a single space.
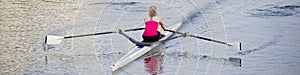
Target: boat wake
x=237 y=62
x=266 y=45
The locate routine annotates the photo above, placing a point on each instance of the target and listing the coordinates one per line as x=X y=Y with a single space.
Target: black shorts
x=152 y=38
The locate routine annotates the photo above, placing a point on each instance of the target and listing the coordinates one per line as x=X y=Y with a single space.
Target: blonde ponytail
x=152 y=11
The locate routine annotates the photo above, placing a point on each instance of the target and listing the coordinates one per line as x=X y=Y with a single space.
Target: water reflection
x=153 y=63
x=149 y=63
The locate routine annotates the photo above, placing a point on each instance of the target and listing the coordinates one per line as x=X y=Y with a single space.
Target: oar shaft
x=117 y=31
x=75 y=36
x=207 y=39
x=217 y=41
x=134 y=29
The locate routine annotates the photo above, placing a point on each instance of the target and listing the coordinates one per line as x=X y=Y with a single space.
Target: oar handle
x=135 y=41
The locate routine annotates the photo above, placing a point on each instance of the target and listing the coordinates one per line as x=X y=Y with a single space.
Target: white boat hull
x=139 y=51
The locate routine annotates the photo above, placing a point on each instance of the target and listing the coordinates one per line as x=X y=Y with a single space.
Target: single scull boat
x=141 y=50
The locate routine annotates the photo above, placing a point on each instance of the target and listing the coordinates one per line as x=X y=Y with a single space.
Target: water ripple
x=288 y=10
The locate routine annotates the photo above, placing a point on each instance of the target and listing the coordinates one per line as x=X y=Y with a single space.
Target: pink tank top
x=151 y=28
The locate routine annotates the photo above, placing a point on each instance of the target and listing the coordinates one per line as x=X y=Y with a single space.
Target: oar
x=235 y=45
x=50 y=39
x=135 y=41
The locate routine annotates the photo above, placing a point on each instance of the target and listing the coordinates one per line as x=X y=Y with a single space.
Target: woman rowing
x=154 y=26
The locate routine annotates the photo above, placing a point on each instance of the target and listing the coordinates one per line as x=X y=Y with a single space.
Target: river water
x=266 y=29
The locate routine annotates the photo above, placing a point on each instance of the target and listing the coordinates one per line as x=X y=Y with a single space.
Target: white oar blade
x=236 y=46
x=50 y=39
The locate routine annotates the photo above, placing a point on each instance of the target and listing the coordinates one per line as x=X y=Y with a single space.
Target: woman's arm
x=162 y=25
